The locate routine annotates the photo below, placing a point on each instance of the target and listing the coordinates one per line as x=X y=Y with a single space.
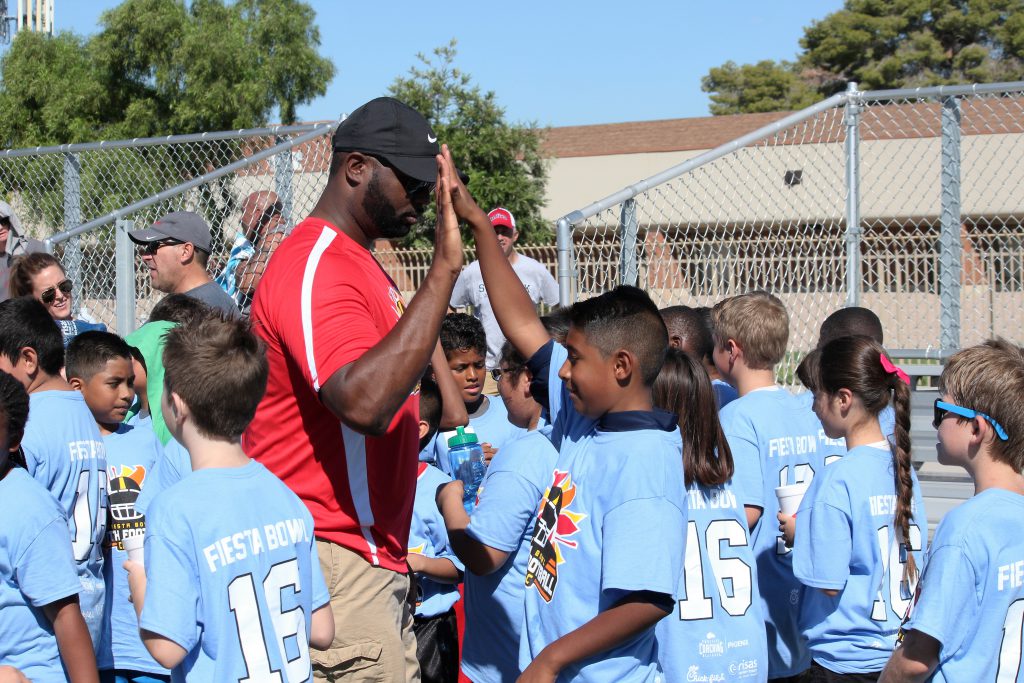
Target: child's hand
x=489 y=452
x=8 y=674
x=450 y=492
x=539 y=671
x=136 y=582
x=787 y=525
x=415 y=561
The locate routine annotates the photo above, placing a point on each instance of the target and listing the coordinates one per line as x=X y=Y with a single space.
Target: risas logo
x=743 y=668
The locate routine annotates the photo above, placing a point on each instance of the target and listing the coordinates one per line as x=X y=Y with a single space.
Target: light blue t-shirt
x=845 y=540
x=428 y=537
x=503 y=519
x=36 y=569
x=131 y=454
x=774 y=441
x=833 y=449
x=716 y=631
x=492 y=427
x=971 y=595
x=725 y=393
x=168 y=470
x=612 y=522
x=233 y=575
x=64 y=452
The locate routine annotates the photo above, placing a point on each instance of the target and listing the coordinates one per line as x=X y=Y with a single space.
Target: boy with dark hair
x=232 y=586
x=42 y=634
x=99 y=364
x=774 y=441
x=601 y=572
x=970 y=599
x=433 y=561
x=689 y=329
x=62 y=446
x=465 y=349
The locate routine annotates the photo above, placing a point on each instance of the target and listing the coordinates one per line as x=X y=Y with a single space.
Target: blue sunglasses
x=941 y=408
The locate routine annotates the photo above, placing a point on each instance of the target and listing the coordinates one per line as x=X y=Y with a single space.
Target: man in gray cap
x=339 y=420
x=176 y=250
x=12 y=243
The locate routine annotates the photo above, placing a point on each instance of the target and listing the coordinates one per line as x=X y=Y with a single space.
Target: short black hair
x=556 y=322
x=624 y=318
x=180 y=308
x=13 y=410
x=89 y=352
x=462 y=332
x=430 y=408
x=854 y=321
x=24 y=322
x=137 y=355
x=693 y=328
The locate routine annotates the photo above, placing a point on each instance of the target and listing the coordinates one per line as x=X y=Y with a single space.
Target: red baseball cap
x=502 y=218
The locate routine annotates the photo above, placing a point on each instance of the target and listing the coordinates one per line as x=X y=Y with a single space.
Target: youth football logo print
x=556 y=525
x=397 y=302
x=123 y=520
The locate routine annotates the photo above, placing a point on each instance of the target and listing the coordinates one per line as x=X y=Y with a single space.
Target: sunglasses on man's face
x=942 y=409
x=411 y=186
x=49 y=295
x=150 y=248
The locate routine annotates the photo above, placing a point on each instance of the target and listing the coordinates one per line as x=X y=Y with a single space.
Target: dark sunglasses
x=410 y=185
x=49 y=295
x=150 y=248
x=505 y=231
x=942 y=409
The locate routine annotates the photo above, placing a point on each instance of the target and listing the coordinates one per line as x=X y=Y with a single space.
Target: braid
x=902 y=469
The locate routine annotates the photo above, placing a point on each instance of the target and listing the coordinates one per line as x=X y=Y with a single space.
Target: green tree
x=503 y=160
x=883 y=44
x=750 y=88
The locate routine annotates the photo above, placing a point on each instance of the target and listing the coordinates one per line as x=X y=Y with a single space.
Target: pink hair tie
x=888 y=366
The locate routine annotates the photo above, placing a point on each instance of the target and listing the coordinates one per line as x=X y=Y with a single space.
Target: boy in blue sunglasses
x=965 y=622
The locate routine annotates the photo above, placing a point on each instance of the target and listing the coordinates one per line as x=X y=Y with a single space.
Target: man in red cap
x=470 y=290
x=339 y=422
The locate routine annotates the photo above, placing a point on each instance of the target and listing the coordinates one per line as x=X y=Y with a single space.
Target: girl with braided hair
x=861 y=528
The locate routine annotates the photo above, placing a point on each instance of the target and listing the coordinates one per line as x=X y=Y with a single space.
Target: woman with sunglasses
x=42 y=277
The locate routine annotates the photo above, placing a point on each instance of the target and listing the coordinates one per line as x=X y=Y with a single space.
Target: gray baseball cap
x=183 y=226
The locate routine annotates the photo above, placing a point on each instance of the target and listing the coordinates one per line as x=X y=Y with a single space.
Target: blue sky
x=554 y=62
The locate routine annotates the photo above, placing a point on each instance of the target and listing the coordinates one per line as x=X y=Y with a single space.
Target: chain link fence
x=85 y=197
x=907 y=202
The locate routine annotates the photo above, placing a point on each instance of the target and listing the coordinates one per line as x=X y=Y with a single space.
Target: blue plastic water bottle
x=466 y=458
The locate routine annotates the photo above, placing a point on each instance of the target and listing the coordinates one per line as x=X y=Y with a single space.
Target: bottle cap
x=462 y=437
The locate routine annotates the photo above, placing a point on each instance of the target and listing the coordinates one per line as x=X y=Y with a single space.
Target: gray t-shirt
x=212 y=295
x=470 y=291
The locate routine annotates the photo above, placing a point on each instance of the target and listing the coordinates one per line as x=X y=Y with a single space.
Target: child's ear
x=424 y=428
x=30 y=360
x=76 y=383
x=624 y=365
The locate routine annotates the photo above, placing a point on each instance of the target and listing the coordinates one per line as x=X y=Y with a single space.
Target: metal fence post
x=124 y=273
x=629 y=272
x=949 y=235
x=853 y=231
x=563 y=237
x=72 y=219
x=283 y=176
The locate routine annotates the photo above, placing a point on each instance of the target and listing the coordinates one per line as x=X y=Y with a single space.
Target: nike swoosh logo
x=431 y=139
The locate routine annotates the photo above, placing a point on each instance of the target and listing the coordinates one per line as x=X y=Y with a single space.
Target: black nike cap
x=393 y=130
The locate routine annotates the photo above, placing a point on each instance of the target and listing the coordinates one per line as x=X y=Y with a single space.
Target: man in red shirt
x=339 y=421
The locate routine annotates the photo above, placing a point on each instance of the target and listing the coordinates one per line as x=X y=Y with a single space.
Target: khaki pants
x=373 y=636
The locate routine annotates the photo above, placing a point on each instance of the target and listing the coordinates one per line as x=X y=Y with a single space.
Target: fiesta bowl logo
x=123 y=519
x=711 y=646
x=556 y=525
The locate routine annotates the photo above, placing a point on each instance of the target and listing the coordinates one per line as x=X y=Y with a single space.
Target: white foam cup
x=789 y=497
x=133 y=546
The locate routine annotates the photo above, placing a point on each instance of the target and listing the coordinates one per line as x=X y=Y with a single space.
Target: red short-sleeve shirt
x=322 y=302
